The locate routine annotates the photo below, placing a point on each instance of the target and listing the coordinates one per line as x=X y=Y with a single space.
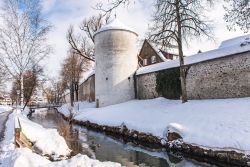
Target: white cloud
x=47 y=5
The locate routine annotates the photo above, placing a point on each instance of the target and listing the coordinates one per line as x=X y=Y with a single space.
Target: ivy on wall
x=168 y=83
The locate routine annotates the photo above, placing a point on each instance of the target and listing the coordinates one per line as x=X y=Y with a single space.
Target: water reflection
x=104 y=148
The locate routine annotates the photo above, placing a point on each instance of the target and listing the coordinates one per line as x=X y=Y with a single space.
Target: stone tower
x=116 y=63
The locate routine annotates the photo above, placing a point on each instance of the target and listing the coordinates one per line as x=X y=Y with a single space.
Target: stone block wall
x=146 y=86
x=226 y=77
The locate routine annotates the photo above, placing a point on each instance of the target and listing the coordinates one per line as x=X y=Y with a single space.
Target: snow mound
x=46 y=141
x=177 y=128
x=24 y=157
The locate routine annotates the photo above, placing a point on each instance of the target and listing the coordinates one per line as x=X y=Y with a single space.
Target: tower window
x=145 y=62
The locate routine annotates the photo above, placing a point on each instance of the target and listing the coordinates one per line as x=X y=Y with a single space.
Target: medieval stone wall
x=146 y=86
x=87 y=90
x=226 y=77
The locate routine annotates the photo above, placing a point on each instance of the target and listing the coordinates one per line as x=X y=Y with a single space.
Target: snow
x=46 y=141
x=235 y=41
x=217 y=124
x=17 y=157
x=24 y=157
x=83 y=161
x=227 y=48
x=64 y=109
x=86 y=75
x=163 y=58
x=4 y=108
x=8 y=143
x=116 y=24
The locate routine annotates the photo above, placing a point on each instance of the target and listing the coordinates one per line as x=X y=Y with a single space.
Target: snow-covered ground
x=217 y=124
x=48 y=140
x=24 y=157
x=64 y=109
x=4 y=108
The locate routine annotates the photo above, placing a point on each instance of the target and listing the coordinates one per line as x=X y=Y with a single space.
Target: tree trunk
x=182 y=67
x=72 y=94
x=22 y=91
x=76 y=89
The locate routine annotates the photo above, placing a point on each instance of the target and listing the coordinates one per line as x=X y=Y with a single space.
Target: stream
x=105 y=148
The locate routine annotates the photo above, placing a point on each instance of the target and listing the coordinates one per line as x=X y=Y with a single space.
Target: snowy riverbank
x=48 y=141
x=217 y=124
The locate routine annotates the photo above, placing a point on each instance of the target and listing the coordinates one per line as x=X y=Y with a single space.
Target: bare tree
x=83 y=44
x=80 y=45
x=4 y=77
x=107 y=10
x=175 y=21
x=72 y=68
x=50 y=94
x=54 y=90
x=30 y=82
x=22 y=38
x=238 y=14
x=94 y=23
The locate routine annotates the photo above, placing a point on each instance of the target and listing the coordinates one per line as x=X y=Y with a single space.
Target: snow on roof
x=171 y=51
x=225 y=50
x=235 y=41
x=159 y=53
x=116 y=24
x=86 y=75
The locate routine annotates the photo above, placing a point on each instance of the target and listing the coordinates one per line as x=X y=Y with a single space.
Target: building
x=149 y=54
x=220 y=73
x=116 y=63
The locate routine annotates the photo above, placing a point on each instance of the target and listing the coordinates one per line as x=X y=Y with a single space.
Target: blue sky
x=62 y=13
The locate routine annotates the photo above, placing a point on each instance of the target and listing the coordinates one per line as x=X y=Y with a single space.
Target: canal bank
x=206 y=130
x=223 y=158
x=108 y=148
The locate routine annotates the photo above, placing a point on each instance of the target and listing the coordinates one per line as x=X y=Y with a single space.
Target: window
x=153 y=59
x=145 y=62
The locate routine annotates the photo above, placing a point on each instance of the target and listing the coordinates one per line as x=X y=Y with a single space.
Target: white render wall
x=116 y=63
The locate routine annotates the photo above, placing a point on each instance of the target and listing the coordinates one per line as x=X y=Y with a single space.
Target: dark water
x=104 y=148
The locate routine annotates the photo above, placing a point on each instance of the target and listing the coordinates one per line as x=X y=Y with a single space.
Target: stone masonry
x=226 y=77
x=146 y=86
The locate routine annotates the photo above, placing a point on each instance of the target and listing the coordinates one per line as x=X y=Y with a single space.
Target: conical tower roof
x=116 y=24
